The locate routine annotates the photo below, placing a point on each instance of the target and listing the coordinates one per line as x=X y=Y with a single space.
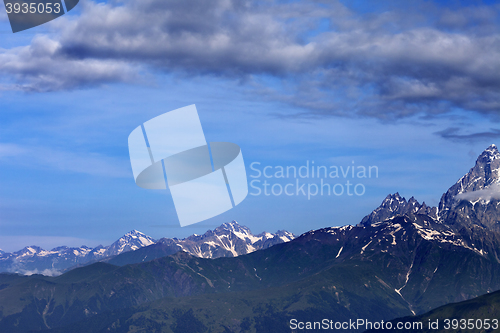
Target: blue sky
x=412 y=89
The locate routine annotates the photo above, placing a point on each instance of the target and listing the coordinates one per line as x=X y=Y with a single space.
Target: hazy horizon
x=410 y=88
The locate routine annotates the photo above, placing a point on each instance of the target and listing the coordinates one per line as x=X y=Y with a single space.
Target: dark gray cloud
x=453 y=133
x=326 y=59
x=41 y=67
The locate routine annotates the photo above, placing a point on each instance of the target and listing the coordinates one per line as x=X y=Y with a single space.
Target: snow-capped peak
x=284 y=235
x=478 y=184
x=492 y=150
x=230 y=239
x=137 y=235
x=234 y=226
x=133 y=233
x=488 y=155
x=29 y=251
x=130 y=241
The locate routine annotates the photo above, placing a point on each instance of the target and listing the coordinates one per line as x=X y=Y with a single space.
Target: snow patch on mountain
x=131 y=241
x=395 y=205
x=230 y=240
x=35 y=260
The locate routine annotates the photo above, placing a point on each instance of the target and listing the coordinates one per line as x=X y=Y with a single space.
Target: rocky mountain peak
x=133 y=234
x=29 y=250
x=485 y=175
x=394 y=205
x=473 y=200
x=489 y=154
x=480 y=185
x=485 y=172
x=413 y=201
x=286 y=236
x=393 y=199
x=132 y=240
x=233 y=227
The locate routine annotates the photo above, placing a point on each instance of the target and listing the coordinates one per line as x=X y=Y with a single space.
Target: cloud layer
x=487 y=194
x=324 y=58
x=62 y=160
x=453 y=133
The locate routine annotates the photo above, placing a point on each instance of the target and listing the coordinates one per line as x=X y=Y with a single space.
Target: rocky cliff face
x=483 y=176
x=473 y=202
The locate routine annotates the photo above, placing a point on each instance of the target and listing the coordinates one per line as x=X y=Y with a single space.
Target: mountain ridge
x=228 y=240
x=236 y=240
x=402 y=259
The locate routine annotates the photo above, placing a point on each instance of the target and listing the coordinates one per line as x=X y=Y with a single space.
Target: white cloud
x=41 y=67
x=66 y=161
x=391 y=65
x=18 y=268
x=491 y=192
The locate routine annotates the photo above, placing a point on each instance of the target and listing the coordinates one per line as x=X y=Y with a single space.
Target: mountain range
x=34 y=259
x=228 y=240
x=402 y=260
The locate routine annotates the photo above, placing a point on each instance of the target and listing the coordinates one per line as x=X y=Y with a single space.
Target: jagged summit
x=472 y=200
x=483 y=174
x=130 y=241
x=481 y=182
x=492 y=151
x=246 y=234
x=134 y=233
x=233 y=226
x=394 y=205
x=230 y=224
x=488 y=161
x=230 y=240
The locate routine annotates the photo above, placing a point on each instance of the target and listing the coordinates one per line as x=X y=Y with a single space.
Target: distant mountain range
x=35 y=260
x=402 y=259
x=228 y=240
